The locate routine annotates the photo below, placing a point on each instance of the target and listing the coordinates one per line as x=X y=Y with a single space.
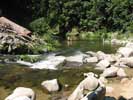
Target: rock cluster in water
x=111 y=65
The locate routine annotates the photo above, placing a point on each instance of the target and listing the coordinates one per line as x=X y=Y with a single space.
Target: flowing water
x=14 y=75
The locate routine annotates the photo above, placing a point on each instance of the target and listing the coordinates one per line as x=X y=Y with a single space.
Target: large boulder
x=103 y=64
x=127 y=61
x=50 y=85
x=110 y=72
x=22 y=98
x=90 y=83
x=23 y=93
x=125 y=51
x=76 y=60
x=98 y=94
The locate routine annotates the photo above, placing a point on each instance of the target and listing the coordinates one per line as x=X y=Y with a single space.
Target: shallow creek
x=14 y=75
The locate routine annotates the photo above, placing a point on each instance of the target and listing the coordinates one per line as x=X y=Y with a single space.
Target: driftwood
x=11 y=27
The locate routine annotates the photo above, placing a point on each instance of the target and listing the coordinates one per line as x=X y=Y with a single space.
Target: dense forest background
x=63 y=15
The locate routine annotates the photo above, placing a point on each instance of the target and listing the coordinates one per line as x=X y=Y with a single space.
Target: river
x=14 y=75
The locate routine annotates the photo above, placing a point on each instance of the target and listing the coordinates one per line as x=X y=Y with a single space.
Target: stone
x=103 y=64
x=76 y=58
x=125 y=51
x=101 y=55
x=121 y=73
x=51 y=85
x=91 y=60
x=22 y=98
x=91 y=53
x=127 y=61
x=90 y=83
x=98 y=94
x=110 y=72
x=22 y=92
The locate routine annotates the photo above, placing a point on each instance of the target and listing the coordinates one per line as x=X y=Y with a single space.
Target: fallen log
x=15 y=27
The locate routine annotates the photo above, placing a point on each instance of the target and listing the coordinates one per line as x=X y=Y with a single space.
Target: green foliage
x=61 y=16
x=40 y=26
x=30 y=58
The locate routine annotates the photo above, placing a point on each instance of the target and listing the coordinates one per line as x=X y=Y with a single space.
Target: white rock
x=110 y=72
x=125 y=51
x=91 y=60
x=98 y=94
x=91 y=53
x=101 y=55
x=90 y=83
x=121 y=73
x=127 y=61
x=51 y=85
x=103 y=64
x=22 y=98
x=20 y=92
x=76 y=58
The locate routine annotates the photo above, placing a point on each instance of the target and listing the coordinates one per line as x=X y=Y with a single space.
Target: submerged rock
x=22 y=93
x=51 y=85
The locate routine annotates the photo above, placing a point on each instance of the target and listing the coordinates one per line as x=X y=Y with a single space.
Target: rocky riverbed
x=109 y=77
